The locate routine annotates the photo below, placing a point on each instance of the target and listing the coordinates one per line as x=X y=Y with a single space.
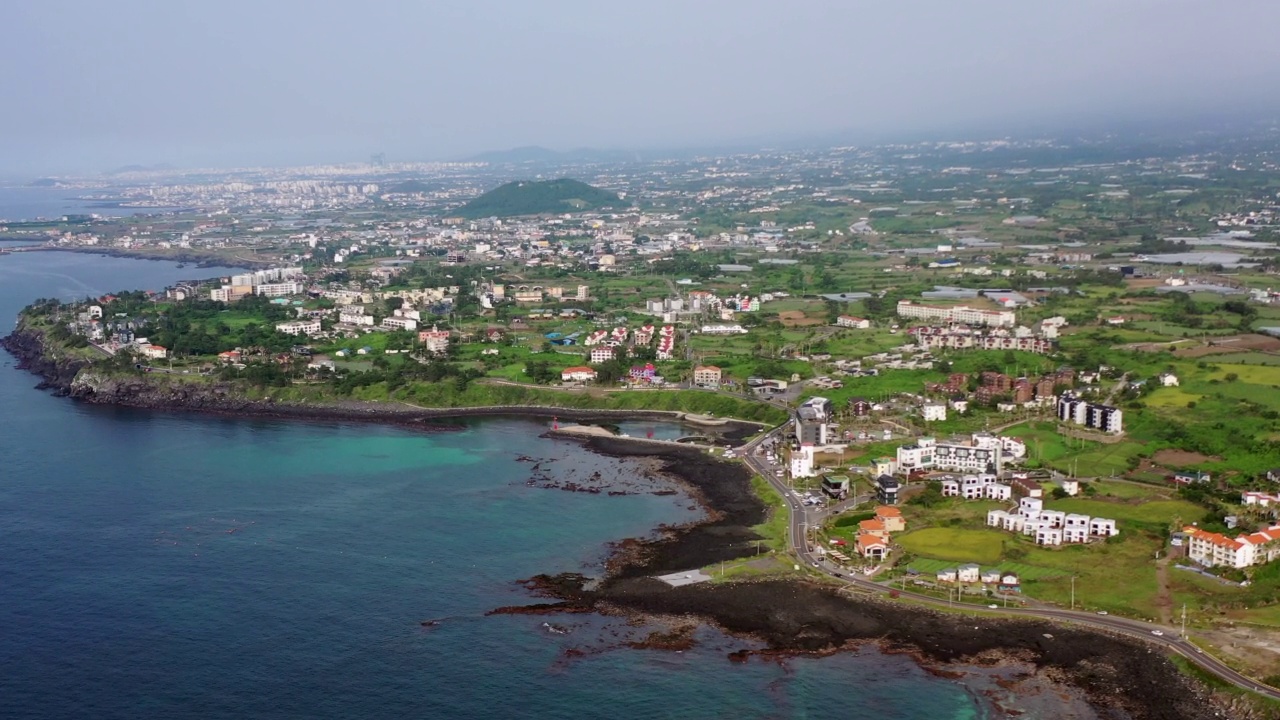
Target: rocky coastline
x=1120 y=677
x=75 y=378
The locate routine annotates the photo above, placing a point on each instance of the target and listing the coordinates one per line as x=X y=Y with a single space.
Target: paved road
x=803 y=517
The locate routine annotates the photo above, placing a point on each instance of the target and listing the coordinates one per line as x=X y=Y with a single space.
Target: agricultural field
x=955 y=544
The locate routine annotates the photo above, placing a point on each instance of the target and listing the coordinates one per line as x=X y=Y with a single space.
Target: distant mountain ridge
x=535 y=154
x=525 y=197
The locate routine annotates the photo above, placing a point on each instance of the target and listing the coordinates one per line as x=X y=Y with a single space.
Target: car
x=1157 y=633
x=993 y=606
x=1102 y=612
x=815 y=564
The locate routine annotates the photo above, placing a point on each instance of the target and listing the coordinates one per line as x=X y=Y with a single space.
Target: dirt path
x=1164 y=599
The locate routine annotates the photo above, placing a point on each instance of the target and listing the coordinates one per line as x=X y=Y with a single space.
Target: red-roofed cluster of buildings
x=1213 y=549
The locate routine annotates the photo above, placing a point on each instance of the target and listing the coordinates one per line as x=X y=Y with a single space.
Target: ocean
x=18 y=204
x=158 y=565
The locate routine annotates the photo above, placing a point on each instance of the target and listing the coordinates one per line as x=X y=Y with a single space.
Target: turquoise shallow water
x=161 y=565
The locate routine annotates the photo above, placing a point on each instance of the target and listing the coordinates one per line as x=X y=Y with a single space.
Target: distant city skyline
x=91 y=86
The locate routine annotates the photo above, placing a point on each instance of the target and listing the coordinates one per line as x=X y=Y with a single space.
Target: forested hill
x=536 y=198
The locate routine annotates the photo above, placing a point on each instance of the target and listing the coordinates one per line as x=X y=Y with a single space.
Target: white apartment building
x=1091 y=415
x=980 y=454
x=976 y=487
x=957 y=314
x=354 y=315
x=299 y=327
x=399 y=322
x=934 y=412
x=279 y=289
x=1051 y=527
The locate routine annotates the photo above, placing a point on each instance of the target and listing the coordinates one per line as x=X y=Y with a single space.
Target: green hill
x=537 y=198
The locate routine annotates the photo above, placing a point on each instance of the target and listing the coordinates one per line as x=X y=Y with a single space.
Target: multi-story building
x=887 y=490
x=354 y=315
x=932 y=338
x=399 y=322
x=602 y=354
x=435 y=340
x=578 y=374
x=976 y=487
x=982 y=453
x=1092 y=415
x=811 y=421
x=957 y=314
x=706 y=375
x=850 y=321
x=1216 y=550
x=279 y=289
x=299 y=327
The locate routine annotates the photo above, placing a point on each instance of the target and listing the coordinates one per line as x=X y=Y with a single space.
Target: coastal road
x=802 y=517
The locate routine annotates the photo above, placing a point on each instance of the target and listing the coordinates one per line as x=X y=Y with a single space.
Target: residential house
x=872 y=547
x=859 y=407
x=892 y=518
x=887 y=490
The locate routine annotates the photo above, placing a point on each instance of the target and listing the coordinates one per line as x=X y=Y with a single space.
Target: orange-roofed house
x=873 y=527
x=891 y=517
x=872 y=547
x=578 y=374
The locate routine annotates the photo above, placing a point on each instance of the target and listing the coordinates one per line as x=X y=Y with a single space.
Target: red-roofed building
x=1217 y=550
x=891 y=517
x=581 y=373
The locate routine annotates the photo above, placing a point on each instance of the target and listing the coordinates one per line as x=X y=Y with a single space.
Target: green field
x=1025 y=572
x=1168 y=512
x=956 y=544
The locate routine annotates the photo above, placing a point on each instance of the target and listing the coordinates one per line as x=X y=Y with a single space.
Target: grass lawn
x=1130 y=490
x=1118 y=576
x=1156 y=511
x=1170 y=398
x=774 y=530
x=956 y=544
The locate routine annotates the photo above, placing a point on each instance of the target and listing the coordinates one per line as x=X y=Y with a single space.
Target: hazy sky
x=90 y=85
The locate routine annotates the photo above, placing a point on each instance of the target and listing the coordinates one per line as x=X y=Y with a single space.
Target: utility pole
x=1184 y=621
x=1073 y=592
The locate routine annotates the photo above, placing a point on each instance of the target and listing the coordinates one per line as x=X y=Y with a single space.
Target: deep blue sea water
x=176 y=566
